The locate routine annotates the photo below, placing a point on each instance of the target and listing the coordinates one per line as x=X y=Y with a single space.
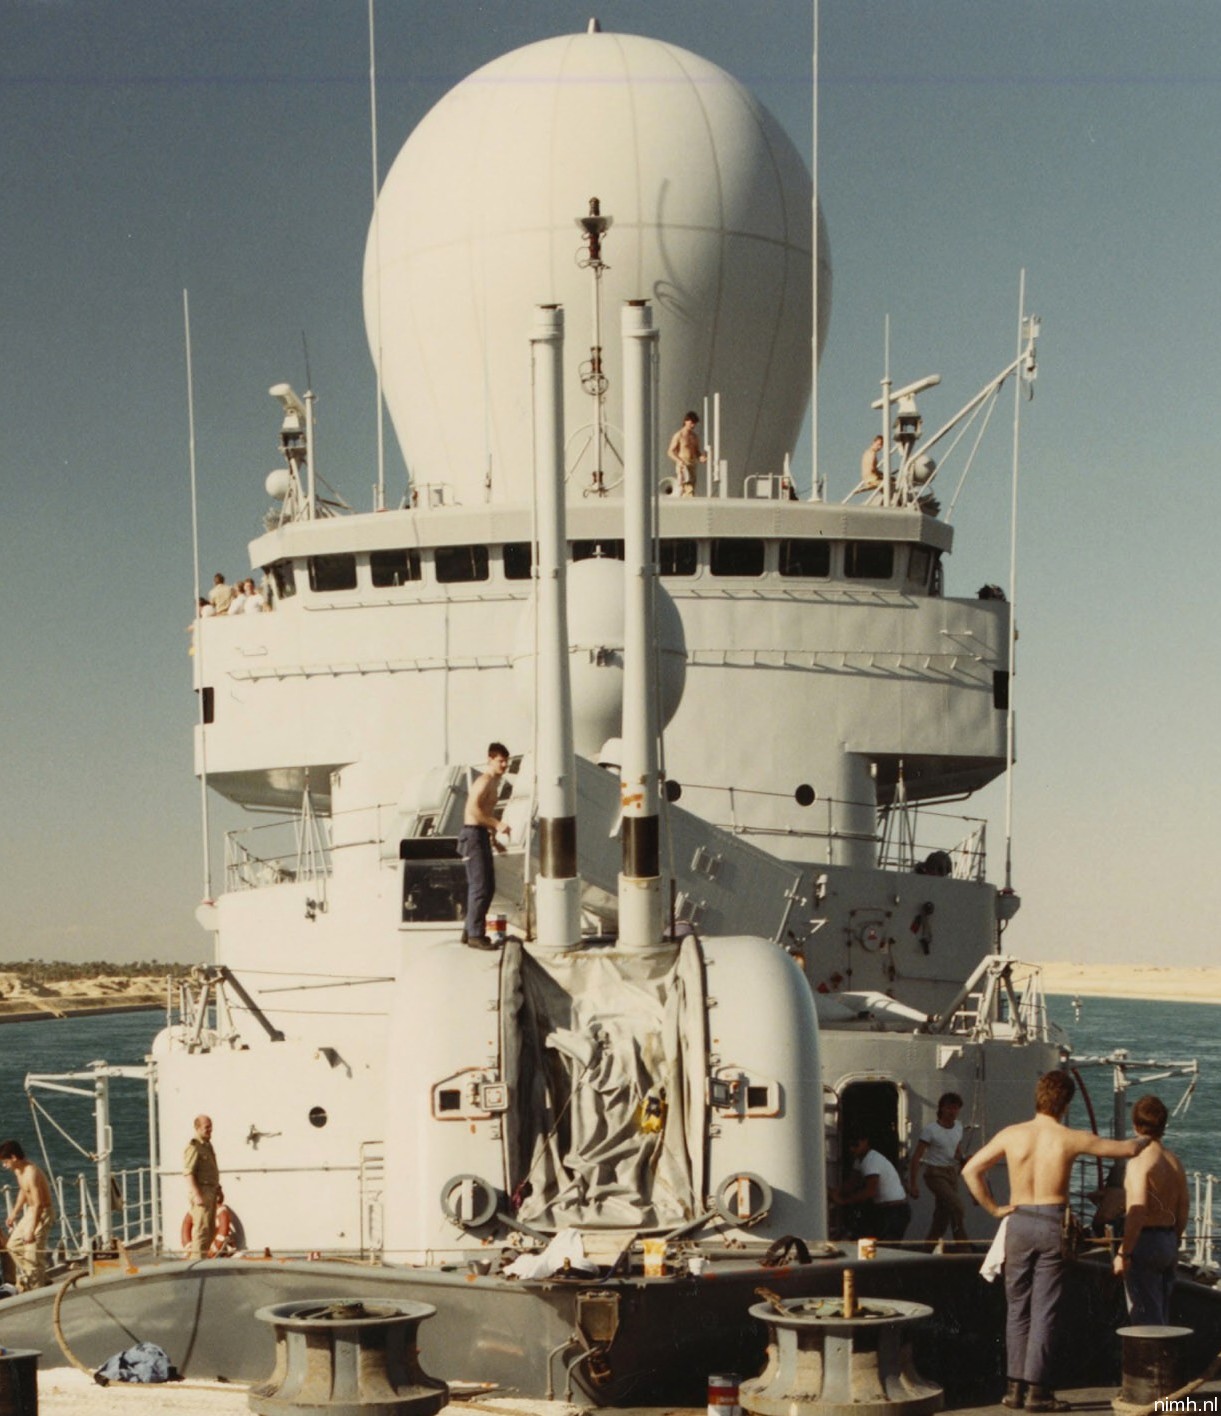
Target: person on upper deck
x=220 y=595
x=1039 y=1154
x=1155 y=1189
x=685 y=453
x=871 y=470
x=480 y=832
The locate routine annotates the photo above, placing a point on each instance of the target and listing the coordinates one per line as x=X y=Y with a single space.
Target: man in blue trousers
x=1040 y=1155
x=479 y=833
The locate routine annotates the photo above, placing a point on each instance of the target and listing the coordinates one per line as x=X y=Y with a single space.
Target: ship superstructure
x=820 y=688
x=734 y=926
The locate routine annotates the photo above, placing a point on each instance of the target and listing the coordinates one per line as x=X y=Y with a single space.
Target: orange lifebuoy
x=224 y=1223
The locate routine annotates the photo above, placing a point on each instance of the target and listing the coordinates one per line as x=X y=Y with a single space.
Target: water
x=1166 y=1031
x=69 y=1045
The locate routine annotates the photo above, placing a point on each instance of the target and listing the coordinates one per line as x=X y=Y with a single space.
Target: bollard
x=18 y=1381
x=1153 y=1359
x=347 y=1357
x=821 y=1362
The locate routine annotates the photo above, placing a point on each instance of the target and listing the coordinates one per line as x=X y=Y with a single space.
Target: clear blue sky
x=222 y=146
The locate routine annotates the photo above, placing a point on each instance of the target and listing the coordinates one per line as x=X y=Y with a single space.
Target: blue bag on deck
x=145 y=1362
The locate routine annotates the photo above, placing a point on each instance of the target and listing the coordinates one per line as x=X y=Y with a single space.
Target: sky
x=222 y=147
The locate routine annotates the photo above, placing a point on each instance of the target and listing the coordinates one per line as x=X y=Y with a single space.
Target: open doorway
x=873 y=1109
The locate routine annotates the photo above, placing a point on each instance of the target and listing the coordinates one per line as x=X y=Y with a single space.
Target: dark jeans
x=884 y=1222
x=1034 y=1283
x=475 y=848
x=1149 y=1280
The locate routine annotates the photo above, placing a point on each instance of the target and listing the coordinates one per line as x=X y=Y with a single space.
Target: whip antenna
x=198 y=636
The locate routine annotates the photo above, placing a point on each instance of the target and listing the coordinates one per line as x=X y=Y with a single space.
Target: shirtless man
x=684 y=452
x=871 y=473
x=1040 y=1155
x=27 y=1242
x=480 y=830
x=1155 y=1190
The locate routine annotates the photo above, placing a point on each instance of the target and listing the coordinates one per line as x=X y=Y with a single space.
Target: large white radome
x=476 y=226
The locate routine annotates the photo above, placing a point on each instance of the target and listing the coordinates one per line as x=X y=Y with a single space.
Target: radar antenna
x=593 y=378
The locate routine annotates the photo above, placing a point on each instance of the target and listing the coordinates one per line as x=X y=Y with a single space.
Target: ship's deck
x=66 y=1393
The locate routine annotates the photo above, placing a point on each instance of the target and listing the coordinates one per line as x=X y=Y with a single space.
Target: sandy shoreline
x=76 y=1008
x=24 y=1000
x=1171 y=983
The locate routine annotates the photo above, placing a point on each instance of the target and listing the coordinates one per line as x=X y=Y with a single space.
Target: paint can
x=723 y=1395
x=498 y=928
x=654 y=1258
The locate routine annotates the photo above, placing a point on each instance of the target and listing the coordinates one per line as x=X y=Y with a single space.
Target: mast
x=1011 y=664
x=198 y=645
x=380 y=493
x=815 y=283
x=593 y=376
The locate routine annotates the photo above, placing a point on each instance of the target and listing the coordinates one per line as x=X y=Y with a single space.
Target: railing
x=1198 y=1246
x=900 y=849
x=81 y=1229
x=1200 y=1238
x=964 y=857
x=293 y=849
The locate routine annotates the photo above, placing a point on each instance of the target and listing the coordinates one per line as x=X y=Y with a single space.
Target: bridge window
x=737 y=555
x=327 y=573
x=920 y=566
x=869 y=560
x=434 y=880
x=282 y=578
x=678 y=557
x=394 y=567
x=458 y=564
x=518 y=557
x=809 y=560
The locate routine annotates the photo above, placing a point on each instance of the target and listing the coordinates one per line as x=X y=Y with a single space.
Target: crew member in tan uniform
x=203 y=1182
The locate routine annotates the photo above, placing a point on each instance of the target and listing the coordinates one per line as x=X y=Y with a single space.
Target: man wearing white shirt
x=875 y=1191
x=940 y=1150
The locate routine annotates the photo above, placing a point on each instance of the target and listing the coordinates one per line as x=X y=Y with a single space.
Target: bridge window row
x=725 y=557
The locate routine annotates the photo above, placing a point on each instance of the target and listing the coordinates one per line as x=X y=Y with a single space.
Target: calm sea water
x=69 y=1045
x=1164 y=1031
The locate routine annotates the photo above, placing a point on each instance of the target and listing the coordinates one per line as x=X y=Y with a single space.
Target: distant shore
x=84 y=1008
x=1171 y=983
x=23 y=1000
